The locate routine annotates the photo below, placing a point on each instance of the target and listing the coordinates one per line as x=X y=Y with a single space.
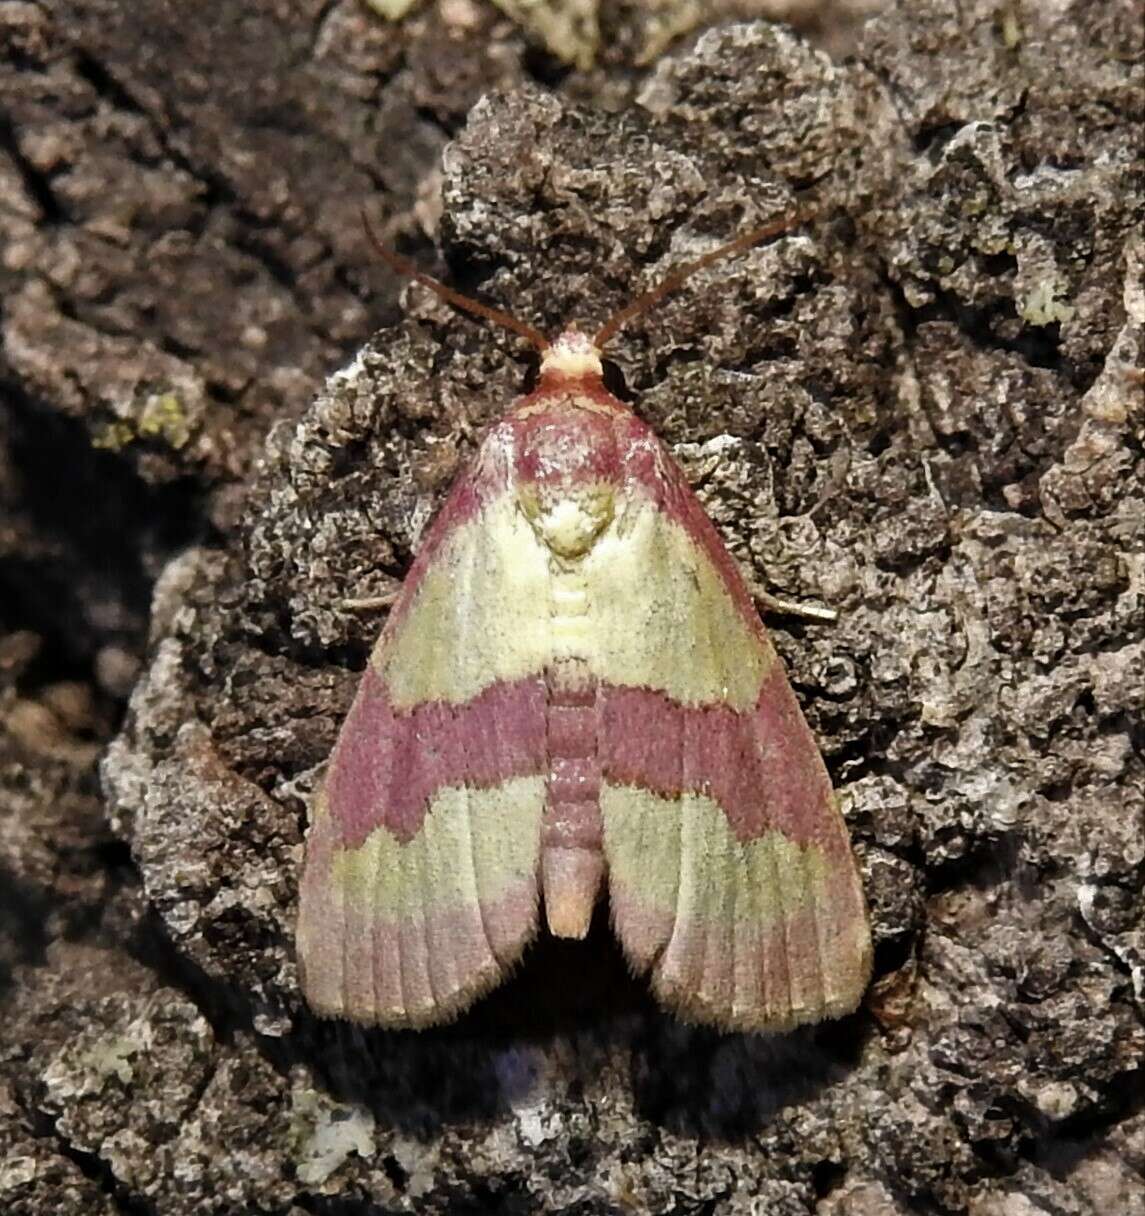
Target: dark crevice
x=331 y=1205
x=892 y=954
x=37 y=184
x=399 y=1177
x=269 y=631
x=90 y=1165
x=932 y=138
x=905 y=563
x=170 y=345
x=103 y=525
x=456 y=266
x=827 y=1176
x=504 y=1195
x=280 y=270
x=199 y=1090
x=544 y=68
x=431 y=118
x=1038 y=346
x=318 y=25
x=865 y=756
x=105 y=84
x=987 y=862
x=152 y=947
x=615 y=383
x=1059 y=1148
x=999 y=1156
x=910 y=1203
x=114 y=857
x=24 y=911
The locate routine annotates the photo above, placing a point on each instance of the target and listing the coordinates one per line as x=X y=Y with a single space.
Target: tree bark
x=923 y=408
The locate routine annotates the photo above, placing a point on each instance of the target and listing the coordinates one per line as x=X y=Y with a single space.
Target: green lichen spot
x=112 y=1058
x=158 y=416
x=1010 y=29
x=569 y=29
x=113 y=437
x=391 y=10
x=163 y=417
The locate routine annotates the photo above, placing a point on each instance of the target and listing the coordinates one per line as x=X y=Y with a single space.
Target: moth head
x=571 y=356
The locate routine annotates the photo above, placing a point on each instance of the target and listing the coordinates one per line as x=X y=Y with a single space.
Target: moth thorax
x=568 y=518
x=571 y=355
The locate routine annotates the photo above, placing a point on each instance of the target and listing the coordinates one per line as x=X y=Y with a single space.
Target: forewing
x=419 y=888
x=731 y=876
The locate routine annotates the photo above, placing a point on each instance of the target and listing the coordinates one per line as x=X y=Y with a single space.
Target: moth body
x=574 y=692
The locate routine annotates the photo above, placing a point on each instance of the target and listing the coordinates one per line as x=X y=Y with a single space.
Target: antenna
x=643 y=302
x=404 y=266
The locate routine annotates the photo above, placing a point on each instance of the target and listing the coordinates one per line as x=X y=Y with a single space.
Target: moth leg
x=371 y=603
x=772 y=603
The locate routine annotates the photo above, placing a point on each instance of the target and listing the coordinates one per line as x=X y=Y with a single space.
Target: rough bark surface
x=924 y=408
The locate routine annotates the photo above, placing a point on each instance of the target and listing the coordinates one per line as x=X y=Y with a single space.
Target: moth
x=573 y=693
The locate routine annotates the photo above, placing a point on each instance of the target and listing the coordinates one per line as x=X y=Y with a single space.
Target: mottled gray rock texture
x=923 y=407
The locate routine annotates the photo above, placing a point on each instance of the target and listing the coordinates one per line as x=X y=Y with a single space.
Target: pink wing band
x=387 y=766
x=762 y=768
x=756 y=766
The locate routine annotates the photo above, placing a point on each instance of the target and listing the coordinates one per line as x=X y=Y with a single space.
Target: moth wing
x=419 y=889
x=731 y=876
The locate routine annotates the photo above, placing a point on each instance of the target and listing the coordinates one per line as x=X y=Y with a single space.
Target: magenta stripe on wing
x=387 y=765
x=763 y=768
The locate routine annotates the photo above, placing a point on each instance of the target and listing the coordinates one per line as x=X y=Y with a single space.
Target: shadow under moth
x=573 y=691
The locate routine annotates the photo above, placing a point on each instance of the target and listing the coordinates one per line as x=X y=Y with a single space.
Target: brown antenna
x=643 y=302
x=404 y=266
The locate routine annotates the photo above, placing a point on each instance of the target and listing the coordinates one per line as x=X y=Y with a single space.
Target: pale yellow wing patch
x=758 y=935
x=480 y=613
x=409 y=934
x=655 y=614
x=471 y=842
x=662 y=617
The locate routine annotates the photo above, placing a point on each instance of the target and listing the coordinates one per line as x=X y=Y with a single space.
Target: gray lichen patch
x=879 y=410
x=327 y=1133
x=131 y=1069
